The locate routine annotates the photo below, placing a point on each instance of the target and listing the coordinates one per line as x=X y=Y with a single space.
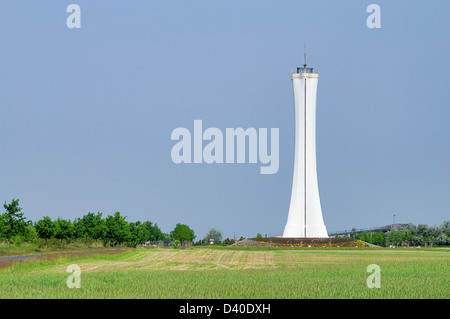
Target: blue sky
x=87 y=114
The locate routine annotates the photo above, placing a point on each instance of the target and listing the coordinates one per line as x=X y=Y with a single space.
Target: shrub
x=176 y=244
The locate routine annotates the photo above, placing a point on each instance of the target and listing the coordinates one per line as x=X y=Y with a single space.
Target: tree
x=137 y=234
x=85 y=227
x=406 y=235
x=12 y=222
x=445 y=227
x=45 y=229
x=100 y=228
x=425 y=232
x=394 y=237
x=154 y=233
x=117 y=229
x=364 y=236
x=441 y=239
x=213 y=233
x=30 y=233
x=64 y=230
x=90 y=227
x=182 y=233
x=417 y=240
x=379 y=238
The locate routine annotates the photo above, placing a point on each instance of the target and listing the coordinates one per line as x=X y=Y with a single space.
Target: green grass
x=41 y=265
x=41 y=247
x=295 y=273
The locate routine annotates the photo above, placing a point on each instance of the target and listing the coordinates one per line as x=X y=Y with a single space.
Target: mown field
x=230 y=272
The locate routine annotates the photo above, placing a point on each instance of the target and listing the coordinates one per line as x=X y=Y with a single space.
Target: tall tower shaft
x=305 y=212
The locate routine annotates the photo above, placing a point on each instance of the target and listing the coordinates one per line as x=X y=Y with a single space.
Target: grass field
x=227 y=272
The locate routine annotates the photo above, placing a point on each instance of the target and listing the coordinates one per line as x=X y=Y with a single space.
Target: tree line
x=412 y=235
x=111 y=230
x=115 y=230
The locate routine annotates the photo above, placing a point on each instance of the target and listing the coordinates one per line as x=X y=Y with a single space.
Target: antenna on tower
x=304 y=55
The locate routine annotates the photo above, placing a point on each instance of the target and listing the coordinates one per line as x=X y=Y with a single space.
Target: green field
x=229 y=272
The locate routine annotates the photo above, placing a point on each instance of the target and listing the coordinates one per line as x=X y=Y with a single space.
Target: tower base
x=298 y=231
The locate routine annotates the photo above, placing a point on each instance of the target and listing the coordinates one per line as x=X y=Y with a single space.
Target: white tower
x=305 y=213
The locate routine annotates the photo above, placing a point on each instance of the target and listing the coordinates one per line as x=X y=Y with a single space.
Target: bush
x=17 y=240
x=176 y=244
